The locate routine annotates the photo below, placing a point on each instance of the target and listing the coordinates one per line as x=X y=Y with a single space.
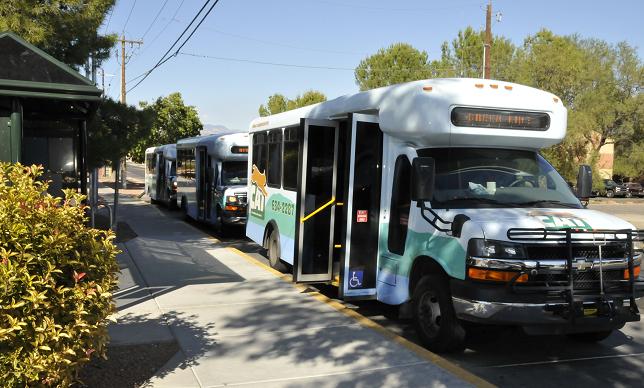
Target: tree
x=277 y=103
x=596 y=81
x=114 y=131
x=398 y=63
x=464 y=57
x=65 y=29
x=171 y=120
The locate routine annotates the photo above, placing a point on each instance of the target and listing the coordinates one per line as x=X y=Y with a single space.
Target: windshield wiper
x=549 y=202
x=475 y=200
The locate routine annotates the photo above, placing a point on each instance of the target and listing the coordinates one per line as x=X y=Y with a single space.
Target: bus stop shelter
x=44 y=108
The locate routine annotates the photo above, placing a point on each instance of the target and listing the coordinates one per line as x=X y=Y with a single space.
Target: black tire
x=434 y=317
x=628 y=194
x=219 y=225
x=594 y=336
x=273 y=252
x=610 y=193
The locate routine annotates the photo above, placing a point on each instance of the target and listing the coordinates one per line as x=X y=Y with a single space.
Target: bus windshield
x=486 y=177
x=234 y=173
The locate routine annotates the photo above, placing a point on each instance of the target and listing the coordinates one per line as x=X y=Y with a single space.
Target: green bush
x=56 y=279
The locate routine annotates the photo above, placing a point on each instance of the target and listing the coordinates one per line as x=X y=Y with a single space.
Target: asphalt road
x=630 y=210
x=135 y=171
x=506 y=356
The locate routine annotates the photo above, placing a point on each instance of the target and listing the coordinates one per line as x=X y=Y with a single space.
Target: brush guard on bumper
x=579 y=295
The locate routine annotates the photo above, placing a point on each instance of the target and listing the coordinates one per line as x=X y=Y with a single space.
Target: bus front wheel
x=434 y=317
x=273 y=248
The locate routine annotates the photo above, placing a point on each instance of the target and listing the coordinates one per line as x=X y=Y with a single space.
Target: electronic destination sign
x=500 y=119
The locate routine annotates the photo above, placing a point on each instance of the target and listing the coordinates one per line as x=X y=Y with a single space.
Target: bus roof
x=169 y=150
x=419 y=112
x=220 y=145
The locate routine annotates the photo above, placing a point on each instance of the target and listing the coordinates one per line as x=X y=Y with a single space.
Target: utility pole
x=488 y=41
x=123 y=92
x=124 y=101
x=123 y=62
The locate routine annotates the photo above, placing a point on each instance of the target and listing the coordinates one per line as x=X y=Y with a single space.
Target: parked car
x=634 y=189
x=612 y=189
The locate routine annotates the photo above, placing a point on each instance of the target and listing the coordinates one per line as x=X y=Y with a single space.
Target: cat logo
x=258 y=193
x=259 y=179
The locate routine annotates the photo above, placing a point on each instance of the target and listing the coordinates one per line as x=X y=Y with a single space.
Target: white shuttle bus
x=160 y=174
x=211 y=177
x=432 y=195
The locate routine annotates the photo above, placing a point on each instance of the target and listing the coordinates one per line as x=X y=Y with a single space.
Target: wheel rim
x=272 y=252
x=430 y=313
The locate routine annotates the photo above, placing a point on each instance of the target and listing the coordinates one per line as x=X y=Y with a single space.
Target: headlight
x=231 y=199
x=479 y=247
x=638 y=246
x=496 y=261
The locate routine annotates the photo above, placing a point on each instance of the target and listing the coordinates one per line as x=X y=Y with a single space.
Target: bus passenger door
x=160 y=178
x=202 y=182
x=314 y=229
x=363 y=208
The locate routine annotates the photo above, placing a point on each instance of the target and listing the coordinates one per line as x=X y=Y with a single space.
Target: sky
x=321 y=41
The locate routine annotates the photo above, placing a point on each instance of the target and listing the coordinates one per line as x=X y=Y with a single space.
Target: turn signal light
x=636 y=272
x=231 y=208
x=495 y=276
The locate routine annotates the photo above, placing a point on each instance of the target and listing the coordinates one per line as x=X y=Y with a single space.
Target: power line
x=165 y=27
x=164 y=59
x=155 y=19
x=109 y=20
x=244 y=60
x=470 y=4
x=264 y=62
x=128 y=16
x=280 y=44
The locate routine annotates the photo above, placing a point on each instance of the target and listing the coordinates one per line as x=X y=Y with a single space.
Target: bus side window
x=274 y=166
x=259 y=151
x=291 y=155
x=148 y=163
x=400 y=202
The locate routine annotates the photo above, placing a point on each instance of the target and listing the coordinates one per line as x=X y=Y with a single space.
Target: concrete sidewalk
x=238 y=324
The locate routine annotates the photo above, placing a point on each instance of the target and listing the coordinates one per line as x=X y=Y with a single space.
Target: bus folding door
x=360 y=264
x=316 y=201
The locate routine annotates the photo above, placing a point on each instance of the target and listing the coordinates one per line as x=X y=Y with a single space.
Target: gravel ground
x=127 y=366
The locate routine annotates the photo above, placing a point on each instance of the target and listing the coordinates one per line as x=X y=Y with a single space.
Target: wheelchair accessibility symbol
x=355 y=281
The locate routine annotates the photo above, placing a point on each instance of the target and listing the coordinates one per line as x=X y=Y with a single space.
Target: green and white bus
x=161 y=173
x=211 y=178
x=432 y=195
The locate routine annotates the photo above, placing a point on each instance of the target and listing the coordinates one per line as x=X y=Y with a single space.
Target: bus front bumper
x=549 y=318
x=233 y=218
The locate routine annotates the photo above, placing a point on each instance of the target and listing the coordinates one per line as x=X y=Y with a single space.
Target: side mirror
x=584 y=181
x=422 y=179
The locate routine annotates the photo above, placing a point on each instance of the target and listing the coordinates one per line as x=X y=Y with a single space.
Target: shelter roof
x=27 y=71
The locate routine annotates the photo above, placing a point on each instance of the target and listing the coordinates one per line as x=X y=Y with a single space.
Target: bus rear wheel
x=434 y=317
x=273 y=248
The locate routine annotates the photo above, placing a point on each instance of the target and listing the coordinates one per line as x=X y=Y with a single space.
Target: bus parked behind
x=160 y=174
x=212 y=178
